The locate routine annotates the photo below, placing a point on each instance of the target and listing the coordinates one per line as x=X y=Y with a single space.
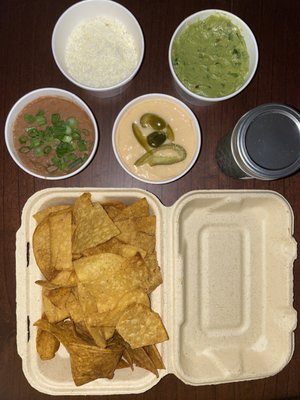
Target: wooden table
x=27 y=64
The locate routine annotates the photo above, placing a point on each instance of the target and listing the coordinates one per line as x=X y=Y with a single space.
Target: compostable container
x=226 y=298
x=264 y=144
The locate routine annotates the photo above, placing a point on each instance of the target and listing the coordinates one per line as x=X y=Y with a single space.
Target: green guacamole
x=210 y=57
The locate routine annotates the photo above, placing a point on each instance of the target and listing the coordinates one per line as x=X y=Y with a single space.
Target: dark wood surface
x=27 y=64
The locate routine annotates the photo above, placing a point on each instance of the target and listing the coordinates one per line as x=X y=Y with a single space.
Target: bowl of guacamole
x=213 y=56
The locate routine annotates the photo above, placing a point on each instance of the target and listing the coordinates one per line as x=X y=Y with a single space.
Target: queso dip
x=185 y=137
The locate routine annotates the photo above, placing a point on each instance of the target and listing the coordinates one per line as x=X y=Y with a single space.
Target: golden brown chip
x=61 y=240
x=140 y=208
x=41 y=249
x=141 y=359
x=130 y=235
x=93 y=225
x=114 y=246
x=107 y=277
x=90 y=362
x=59 y=296
x=53 y=313
x=41 y=215
x=155 y=277
x=46 y=344
x=111 y=317
x=122 y=364
x=140 y=326
x=155 y=356
x=113 y=208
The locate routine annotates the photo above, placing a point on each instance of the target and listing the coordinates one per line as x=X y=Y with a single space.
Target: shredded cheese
x=100 y=52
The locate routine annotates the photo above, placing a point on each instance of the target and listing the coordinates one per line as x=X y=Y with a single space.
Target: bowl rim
x=36 y=93
x=233 y=17
x=82 y=85
x=173 y=99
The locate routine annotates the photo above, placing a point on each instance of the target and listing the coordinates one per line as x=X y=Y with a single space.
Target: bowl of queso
x=213 y=56
x=156 y=138
x=51 y=134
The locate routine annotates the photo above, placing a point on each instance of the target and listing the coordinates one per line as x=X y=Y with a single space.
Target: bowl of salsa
x=51 y=134
x=213 y=56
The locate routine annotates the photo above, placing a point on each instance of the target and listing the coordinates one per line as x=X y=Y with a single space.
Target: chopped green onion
x=82 y=145
x=72 y=122
x=67 y=139
x=55 y=118
x=47 y=150
x=40 y=118
x=38 y=151
x=76 y=135
x=29 y=118
x=22 y=139
x=78 y=161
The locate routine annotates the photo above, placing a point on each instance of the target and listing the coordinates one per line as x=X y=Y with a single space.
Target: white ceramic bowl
x=85 y=10
x=28 y=98
x=251 y=47
x=181 y=125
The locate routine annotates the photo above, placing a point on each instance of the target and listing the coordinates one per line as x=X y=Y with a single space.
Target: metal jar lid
x=265 y=142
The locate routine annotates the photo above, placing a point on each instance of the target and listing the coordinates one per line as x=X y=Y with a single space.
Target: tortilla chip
x=155 y=356
x=41 y=249
x=61 y=240
x=155 y=277
x=89 y=362
x=46 y=344
x=140 y=326
x=54 y=314
x=111 y=318
x=130 y=234
x=93 y=225
x=41 y=215
x=141 y=359
x=114 y=246
x=140 y=208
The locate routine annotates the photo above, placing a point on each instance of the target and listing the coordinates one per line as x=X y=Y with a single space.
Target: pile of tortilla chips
x=100 y=266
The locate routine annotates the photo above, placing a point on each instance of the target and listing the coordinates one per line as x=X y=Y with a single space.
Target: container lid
x=267 y=141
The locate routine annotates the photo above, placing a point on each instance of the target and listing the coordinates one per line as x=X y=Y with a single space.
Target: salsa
x=210 y=57
x=53 y=136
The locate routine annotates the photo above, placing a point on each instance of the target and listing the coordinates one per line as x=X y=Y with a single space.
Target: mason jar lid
x=266 y=141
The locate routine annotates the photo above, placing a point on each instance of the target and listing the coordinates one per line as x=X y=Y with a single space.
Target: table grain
x=27 y=63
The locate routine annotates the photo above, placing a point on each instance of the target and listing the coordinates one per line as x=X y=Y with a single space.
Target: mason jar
x=264 y=144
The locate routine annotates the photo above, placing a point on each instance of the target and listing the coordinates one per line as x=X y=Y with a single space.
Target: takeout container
x=226 y=300
x=88 y=9
x=252 y=48
x=28 y=98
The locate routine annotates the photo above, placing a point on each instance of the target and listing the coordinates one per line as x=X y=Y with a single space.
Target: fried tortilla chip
x=46 y=344
x=61 y=240
x=155 y=356
x=140 y=326
x=54 y=313
x=141 y=359
x=41 y=249
x=93 y=225
x=41 y=215
x=140 y=208
x=111 y=318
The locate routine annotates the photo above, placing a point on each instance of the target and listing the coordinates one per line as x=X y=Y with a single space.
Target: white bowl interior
x=18 y=107
x=88 y=9
x=157 y=96
x=249 y=40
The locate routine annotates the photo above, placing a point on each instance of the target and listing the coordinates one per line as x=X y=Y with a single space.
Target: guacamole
x=210 y=57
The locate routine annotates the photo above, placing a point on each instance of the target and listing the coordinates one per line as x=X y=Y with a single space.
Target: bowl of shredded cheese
x=98 y=45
